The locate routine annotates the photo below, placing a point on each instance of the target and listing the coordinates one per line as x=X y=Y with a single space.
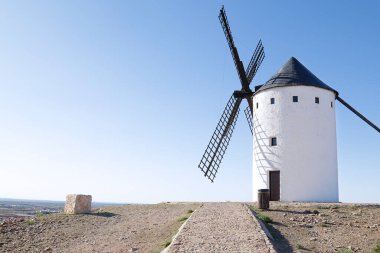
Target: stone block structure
x=78 y=204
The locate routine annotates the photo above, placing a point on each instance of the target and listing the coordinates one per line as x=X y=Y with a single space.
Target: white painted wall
x=306 y=151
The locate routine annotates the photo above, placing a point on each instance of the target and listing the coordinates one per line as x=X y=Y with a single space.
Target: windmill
x=220 y=139
x=294 y=130
x=295 y=144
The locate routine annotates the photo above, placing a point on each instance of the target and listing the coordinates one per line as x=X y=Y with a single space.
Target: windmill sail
x=358 y=113
x=248 y=115
x=220 y=139
x=256 y=60
x=233 y=49
x=218 y=144
x=254 y=64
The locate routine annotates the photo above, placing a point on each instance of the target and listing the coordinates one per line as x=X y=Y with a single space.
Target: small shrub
x=190 y=211
x=39 y=214
x=30 y=222
x=345 y=251
x=260 y=215
x=264 y=218
x=299 y=246
x=253 y=208
x=167 y=243
x=376 y=249
x=181 y=219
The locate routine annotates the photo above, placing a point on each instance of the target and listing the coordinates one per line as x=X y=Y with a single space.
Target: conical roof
x=293 y=73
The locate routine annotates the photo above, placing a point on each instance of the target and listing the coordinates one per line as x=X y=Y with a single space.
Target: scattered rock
x=48 y=249
x=91 y=233
x=321 y=226
x=122 y=238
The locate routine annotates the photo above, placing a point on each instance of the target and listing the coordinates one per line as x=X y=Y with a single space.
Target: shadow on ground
x=294 y=212
x=280 y=243
x=103 y=214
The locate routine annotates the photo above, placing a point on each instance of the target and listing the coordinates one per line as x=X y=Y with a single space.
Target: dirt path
x=130 y=228
x=220 y=227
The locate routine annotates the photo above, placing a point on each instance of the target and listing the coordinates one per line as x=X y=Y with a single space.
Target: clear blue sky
x=118 y=99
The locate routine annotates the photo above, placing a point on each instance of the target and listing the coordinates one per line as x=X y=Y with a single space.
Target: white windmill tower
x=295 y=137
x=295 y=148
x=292 y=120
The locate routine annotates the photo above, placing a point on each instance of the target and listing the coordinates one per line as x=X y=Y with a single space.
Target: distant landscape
x=21 y=208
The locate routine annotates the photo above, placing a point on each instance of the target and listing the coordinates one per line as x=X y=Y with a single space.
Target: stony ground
x=221 y=227
x=217 y=227
x=130 y=228
x=306 y=227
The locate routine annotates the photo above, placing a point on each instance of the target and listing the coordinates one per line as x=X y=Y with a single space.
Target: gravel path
x=221 y=227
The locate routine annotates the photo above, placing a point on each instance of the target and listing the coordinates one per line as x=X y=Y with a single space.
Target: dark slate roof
x=293 y=73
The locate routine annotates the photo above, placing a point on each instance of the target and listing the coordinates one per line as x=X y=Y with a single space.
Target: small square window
x=257 y=105
x=272 y=101
x=295 y=99
x=317 y=100
x=273 y=141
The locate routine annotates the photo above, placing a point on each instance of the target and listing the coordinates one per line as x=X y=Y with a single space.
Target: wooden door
x=274 y=185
